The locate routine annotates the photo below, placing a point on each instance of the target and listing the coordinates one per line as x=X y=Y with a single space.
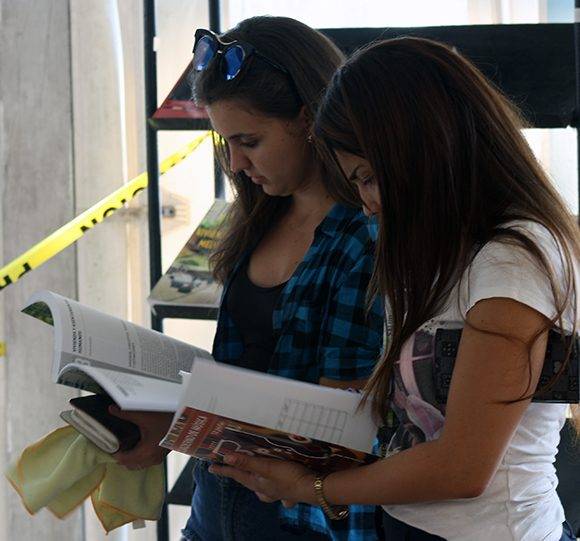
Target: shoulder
x=507 y=267
x=509 y=249
x=350 y=229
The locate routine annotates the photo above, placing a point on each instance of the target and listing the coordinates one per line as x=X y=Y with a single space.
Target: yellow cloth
x=63 y=468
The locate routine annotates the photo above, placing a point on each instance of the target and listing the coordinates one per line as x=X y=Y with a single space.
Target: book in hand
x=140 y=369
x=90 y=416
x=188 y=288
x=227 y=409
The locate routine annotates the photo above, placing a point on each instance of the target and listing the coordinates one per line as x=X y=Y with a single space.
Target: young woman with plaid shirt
x=295 y=260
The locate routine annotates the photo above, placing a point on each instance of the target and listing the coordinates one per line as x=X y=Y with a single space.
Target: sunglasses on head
x=232 y=54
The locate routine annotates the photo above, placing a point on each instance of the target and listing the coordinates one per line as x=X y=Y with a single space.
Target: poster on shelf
x=188 y=288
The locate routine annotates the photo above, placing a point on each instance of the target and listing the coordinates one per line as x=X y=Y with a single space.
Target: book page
x=82 y=332
x=304 y=409
x=129 y=391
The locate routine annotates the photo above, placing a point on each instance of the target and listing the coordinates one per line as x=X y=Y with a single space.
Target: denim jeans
x=567 y=534
x=223 y=510
x=395 y=530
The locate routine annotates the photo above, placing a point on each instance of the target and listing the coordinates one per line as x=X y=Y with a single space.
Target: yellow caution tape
x=73 y=230
x=2 y=349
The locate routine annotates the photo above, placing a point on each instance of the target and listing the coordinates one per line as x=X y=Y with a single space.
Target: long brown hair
x=452 y=167
x=310 y=59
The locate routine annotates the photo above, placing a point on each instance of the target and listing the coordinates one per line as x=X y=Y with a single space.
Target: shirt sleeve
x=509 y=271
x=352 y=336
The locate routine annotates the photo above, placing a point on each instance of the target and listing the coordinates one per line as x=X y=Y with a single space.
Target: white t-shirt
x=521 y=501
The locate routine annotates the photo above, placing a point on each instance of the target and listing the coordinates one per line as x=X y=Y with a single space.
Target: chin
x=269 y=190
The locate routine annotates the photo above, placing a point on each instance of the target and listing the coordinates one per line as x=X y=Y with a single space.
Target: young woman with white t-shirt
x=472 y=236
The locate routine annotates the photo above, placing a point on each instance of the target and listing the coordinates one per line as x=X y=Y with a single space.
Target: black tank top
x=251 y=308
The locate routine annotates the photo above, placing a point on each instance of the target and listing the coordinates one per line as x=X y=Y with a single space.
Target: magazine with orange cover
x=210 y=437
x=230 y=409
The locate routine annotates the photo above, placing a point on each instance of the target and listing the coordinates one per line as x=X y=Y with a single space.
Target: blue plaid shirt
x=323 y=330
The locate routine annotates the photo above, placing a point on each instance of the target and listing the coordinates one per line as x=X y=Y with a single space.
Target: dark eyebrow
x=352 y=176
x=238 y=136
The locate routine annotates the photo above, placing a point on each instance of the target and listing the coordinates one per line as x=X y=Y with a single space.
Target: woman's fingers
x=141 y=456
x=270 y=478
x=248 y=479
x=258 y=465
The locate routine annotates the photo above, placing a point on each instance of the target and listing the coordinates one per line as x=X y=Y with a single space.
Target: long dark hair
x=311 y=59
x=452 y=167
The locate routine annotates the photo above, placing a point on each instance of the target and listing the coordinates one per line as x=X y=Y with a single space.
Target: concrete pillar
x=36 y=157
x=72 y=131
x=108 y=140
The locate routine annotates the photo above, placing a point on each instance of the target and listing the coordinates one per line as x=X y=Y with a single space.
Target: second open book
x=218 y=408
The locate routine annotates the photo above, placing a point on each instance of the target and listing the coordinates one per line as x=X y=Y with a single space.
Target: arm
x=489 y=370
x=343 y=383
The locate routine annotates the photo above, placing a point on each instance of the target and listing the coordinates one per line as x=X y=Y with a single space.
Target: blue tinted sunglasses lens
x=233 y=60
x=204 y=51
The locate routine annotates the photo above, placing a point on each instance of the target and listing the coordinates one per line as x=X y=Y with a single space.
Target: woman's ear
x=305 y=119
x=303 y=123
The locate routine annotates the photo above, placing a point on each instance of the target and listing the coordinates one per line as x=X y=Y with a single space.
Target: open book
x=137 y=367
x=188 y=288
x=225 y=409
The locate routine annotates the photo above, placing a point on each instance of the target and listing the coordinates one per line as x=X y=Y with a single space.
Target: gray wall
x=37 y=193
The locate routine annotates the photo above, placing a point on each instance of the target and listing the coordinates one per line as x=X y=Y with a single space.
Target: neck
x=311 y=201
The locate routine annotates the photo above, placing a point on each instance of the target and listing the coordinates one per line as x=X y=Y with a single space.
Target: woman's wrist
x=306 y=491
x=333 y=512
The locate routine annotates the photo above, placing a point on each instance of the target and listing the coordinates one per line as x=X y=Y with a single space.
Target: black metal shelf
x=176 y=124
x=183 y=487
x=533 y=64
x=542 y=87
x=185 y=312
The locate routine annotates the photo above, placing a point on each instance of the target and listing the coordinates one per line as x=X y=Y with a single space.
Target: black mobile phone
x=90 y=416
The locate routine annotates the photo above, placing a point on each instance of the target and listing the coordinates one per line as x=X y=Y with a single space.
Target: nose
x=238 y=160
